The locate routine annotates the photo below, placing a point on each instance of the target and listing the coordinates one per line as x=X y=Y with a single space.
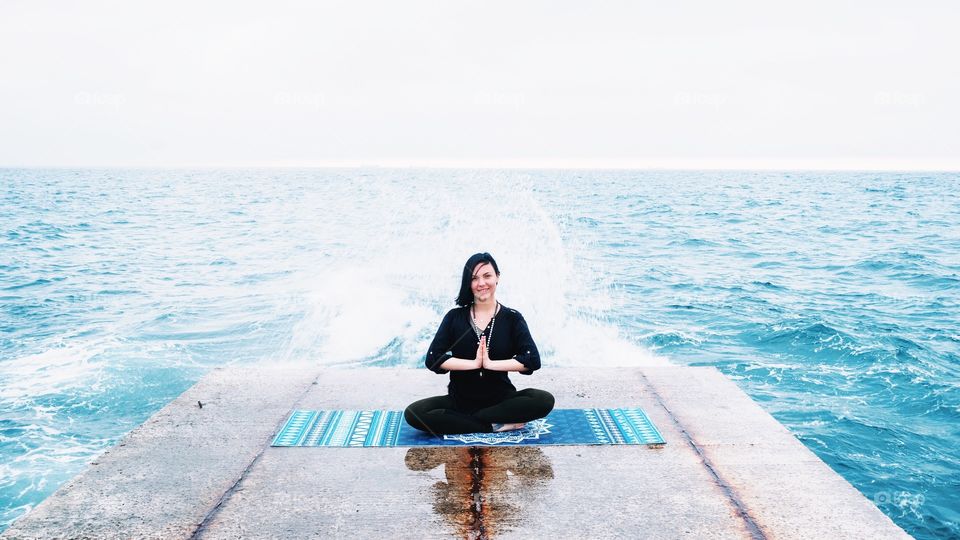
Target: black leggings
x=438 y=415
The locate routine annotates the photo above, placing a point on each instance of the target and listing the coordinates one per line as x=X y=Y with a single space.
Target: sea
x=831 y=298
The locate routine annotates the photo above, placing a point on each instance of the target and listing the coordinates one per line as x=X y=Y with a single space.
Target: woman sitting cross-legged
x=479 y=343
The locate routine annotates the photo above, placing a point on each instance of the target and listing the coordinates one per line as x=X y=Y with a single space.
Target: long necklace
x=479 y=332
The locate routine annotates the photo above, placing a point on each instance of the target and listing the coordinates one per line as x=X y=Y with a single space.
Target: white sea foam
x=580 y=343
x=406 y=271
x=351 y=314
x=61 y=368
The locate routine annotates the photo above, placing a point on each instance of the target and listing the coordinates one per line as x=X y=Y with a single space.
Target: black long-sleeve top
x=477 y=388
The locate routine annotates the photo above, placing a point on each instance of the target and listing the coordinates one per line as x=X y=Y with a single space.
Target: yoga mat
x=388 y=428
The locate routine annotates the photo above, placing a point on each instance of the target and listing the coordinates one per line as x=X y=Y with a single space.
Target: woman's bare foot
x=507 y=427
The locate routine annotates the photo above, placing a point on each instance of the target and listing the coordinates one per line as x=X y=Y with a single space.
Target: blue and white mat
x=388 y=428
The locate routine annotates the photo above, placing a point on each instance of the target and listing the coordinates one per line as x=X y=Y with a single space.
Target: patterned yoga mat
x=388 y=428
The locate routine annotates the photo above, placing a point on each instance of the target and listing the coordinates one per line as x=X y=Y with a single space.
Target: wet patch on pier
x=484 y=487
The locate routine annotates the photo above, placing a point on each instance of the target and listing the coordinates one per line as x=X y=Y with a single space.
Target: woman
x=479 y=343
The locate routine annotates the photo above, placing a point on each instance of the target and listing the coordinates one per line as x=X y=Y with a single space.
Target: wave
x=768 y=285
x=35 y=283
x=693 y=242
x=672 y=339
x=812 y=339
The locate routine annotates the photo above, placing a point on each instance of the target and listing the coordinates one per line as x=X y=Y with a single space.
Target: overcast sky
x=867 y=84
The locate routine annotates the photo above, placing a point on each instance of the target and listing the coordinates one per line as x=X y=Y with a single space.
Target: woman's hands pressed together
x=481 y=361
x=485 y=361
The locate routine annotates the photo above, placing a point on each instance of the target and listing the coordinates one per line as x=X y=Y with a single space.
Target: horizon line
x=650 y=165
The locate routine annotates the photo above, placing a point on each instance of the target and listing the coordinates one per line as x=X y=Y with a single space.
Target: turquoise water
x=831 y=298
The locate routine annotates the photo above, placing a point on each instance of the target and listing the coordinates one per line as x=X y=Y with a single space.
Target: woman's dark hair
x=466 y=292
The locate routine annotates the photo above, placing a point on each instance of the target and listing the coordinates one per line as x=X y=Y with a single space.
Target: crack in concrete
x=202 y=526
x=756 y=532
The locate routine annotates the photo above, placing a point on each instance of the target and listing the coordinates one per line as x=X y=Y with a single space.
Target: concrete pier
x=728 y=470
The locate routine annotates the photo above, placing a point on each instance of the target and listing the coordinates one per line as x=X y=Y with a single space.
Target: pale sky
x=868 y=85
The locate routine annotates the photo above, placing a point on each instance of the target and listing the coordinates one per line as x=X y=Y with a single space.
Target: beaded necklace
x=479 y=332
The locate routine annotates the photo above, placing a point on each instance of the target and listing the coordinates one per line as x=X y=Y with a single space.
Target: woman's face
x=484 y=282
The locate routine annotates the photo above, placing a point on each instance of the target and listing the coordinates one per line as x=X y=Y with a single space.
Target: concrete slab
x=165 y=476
x=729 y=470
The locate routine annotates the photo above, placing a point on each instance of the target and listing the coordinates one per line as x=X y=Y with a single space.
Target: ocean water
x=831 y=298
